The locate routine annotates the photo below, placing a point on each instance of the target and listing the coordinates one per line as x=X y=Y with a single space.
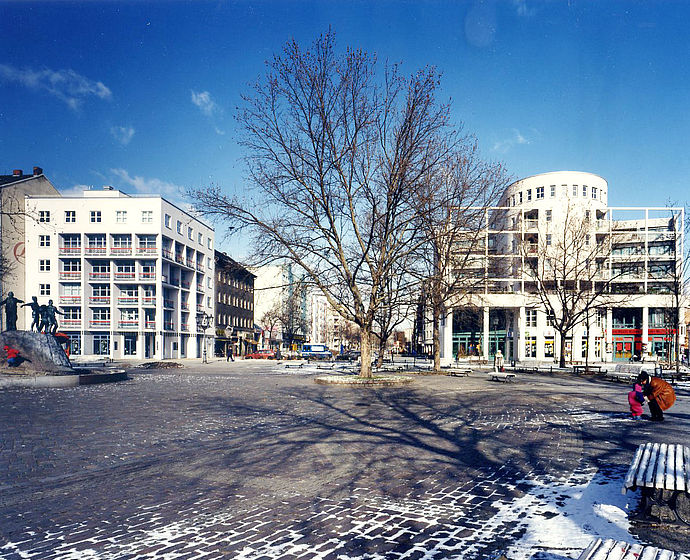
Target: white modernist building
x=640 y=268
x=132 y=275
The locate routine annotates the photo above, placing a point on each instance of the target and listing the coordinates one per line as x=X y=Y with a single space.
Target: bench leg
x=667 y=506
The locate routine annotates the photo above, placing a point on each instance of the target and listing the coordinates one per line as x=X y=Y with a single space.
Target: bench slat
x=609 y=549
x=680 y=469
x=686 y=451
x=649 y=475
x=661 y=466
x=633 y=552
x=630 y=477
x=670 y=467
x=639 y=475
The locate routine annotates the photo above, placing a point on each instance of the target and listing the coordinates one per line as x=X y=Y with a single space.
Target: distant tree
x=291 y=313
x=270 y=321
x=334 y=151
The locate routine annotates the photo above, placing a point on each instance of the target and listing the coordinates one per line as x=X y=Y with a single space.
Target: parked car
x=261 y=355
x=316 y=352
x=349 y=356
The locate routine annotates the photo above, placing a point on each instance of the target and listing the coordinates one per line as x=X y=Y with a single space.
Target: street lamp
x=203 y=320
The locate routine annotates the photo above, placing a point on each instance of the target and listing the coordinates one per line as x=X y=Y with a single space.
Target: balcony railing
x=200 y=266
x=199 y=287
x=100 y=323
x=190 y=263
x=169 y=325
x=128 y=324
x=70 y=323
x=174 y=281
x=185 y=285
x=199 y=307
x=70 y=274
x=124 y=275
x=99 y=300
x=184 y=306
x=184 y=327
x=531 y=224
x=128 y=300
x=70 y=300
x=119 y=251
x=150 y=325
x=147 y=275
x=147 y=250
x=149 y=300
x=179 y=259
x=95 y=250
x=167 y=254
x=70 y=250
x=169 y=304
x=99 y=276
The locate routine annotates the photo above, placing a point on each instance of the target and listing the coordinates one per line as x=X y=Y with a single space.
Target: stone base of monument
x=45 y=364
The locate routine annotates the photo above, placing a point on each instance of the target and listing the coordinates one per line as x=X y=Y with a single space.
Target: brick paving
x=252 y=461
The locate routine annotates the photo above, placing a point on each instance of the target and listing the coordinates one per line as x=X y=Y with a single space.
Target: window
x=73 y=313
x=549 y=215
x=167 y=221
x=553 y=191
x=594 y=192
x=190 y=233
x=520 y=196
x=208 y=282
x=70 y=216
x=587 y=240
x=574 y=190
x=530 y=317
x=95 y=216
x=550 y=319
x=44 y=265
x=44 y=240
x=208 y=262
x=588 y=215
x=584 y=191
x=44 y=289
x=209 y=242
x=71 y=289
x=146 y=216
x=540 y=192
x=208 y=301
x=44 y=216
x=548 y=239
x=101 y=314
x=179 y=226
x=529 y=194
x=200 y=239
x=71 y=265
x=122 y=241
x=121 y=216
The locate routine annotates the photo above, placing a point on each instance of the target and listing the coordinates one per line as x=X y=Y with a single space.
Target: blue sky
x=141 y=94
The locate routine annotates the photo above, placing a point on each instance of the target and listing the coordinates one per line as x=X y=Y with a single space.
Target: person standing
x=229 y=355
x=660 y=395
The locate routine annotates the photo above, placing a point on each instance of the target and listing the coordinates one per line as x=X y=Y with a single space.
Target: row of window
x=190 y=231
x=229 y=299
x=231 y=321
x=96 y=216
x=224 y=278
x=539 y=193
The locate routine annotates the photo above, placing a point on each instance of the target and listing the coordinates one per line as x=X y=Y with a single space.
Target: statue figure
x=48 y=319
x=10 y=303
x=35 y=312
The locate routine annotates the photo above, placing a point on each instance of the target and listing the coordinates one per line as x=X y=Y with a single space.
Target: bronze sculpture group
x=43 y=316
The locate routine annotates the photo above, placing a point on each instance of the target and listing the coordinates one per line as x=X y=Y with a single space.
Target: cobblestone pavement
x=253 y=461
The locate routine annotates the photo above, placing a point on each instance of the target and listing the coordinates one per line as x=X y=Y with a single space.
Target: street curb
x=355 y=381
x=58 y=381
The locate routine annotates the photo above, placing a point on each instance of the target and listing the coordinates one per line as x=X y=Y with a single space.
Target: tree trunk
x=561 y=361
x=436 y=336
x=365 y=347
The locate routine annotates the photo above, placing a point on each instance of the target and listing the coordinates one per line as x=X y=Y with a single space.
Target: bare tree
x=453 y=202
x=270 y=321
x=567 y=269
x=334 y=151
x=291 y=312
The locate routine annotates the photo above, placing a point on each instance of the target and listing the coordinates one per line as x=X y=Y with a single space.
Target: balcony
x=70 y=300
x=185 y=285
x=99 y=323
x=184 y=306
x=150 y=325
x=179 y=259
x=70 y=275
x=95 y=250
x=70 y=323
x=199 y=308
x=99 y=300
x=147 y=275
x=100 y=276
x=130 y=325
x=200 y=266
x=184 y=327
x=168 y=304
x=125 y=275
x=190 y=263
x=147 y=250
x=70 y=251
x=167 y=253
x=149 y=300
x=169 y=325
x=120 y=251
x=531 y=224
x=175 y=282
x=199 y=287
x=128 y=300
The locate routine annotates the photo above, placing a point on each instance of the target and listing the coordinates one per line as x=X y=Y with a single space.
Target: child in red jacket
x=636 y=400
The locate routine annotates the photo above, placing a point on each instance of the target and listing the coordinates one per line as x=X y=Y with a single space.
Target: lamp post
x=203 y=320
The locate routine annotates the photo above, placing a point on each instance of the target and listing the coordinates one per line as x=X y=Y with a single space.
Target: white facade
x=132 y=274
x=645 y=247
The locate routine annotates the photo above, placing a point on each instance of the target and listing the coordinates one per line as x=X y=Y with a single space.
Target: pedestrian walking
x=660 y=395
x=229 y=357
x=636 y=400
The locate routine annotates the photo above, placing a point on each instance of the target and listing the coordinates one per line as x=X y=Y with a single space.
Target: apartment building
x=132 y=275
x=640 y=269
x=13 y=189
x=234 y=307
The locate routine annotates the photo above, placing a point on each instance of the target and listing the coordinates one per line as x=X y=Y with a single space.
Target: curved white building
x=634 y=252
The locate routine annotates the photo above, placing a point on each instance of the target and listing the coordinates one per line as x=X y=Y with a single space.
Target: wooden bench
x=587 y=369
x=325 y=366
x=662 y=472
x=609 y=549
x=458 y=372
x=504 y=376
x=297 y=366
